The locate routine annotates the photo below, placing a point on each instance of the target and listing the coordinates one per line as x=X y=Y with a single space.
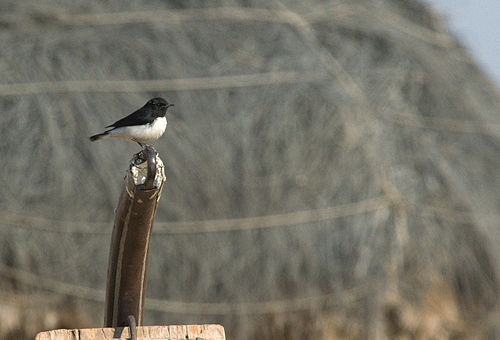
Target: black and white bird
x=144 y=125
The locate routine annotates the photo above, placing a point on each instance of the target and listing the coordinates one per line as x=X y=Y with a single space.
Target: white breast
x=142 y=133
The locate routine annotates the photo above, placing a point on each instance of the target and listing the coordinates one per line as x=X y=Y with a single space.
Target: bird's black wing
x=139 y=117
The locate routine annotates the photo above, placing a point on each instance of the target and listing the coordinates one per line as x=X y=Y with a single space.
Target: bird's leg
x=139 y=157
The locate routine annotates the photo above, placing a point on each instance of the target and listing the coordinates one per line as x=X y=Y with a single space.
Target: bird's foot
x=145 y=145
x=141 y=156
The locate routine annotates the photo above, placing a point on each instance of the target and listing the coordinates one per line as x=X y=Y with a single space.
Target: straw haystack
x=332 y=166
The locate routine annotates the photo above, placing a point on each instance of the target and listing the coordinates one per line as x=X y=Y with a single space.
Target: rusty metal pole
x=129 y=252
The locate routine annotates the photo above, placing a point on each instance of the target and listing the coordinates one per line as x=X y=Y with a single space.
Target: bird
x=146 y=124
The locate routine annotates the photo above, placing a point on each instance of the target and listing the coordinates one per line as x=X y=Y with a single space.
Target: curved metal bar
x=151 y=159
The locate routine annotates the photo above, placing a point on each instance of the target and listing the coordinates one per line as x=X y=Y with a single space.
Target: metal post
x=129 y=252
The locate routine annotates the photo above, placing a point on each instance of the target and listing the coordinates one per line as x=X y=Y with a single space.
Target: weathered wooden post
x=129 y=253
x=128 y=263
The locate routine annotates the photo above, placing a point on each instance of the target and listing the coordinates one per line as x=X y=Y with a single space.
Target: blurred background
x=332 y=167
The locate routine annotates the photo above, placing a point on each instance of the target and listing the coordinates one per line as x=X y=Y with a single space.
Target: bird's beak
x=169 y=105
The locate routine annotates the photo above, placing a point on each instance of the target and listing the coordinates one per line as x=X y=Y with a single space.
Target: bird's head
x=159 y=105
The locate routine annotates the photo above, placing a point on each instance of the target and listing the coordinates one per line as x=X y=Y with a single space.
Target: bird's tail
x=98 y=136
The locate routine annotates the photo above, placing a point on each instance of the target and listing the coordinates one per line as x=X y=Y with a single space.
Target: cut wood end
x=139 y=171
x=175 y=332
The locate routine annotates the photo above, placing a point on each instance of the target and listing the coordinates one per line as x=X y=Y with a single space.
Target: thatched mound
x=362 y=124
